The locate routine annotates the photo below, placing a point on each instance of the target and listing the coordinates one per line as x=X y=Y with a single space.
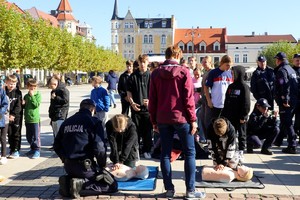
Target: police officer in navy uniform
x=286 y=96
x=262 y=81
x=79 y=144
x=296 y=67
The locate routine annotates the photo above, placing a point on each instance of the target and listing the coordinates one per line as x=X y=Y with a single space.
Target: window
x=124 y=40
x=217 y=46
x=145 y=39
x=150 y=24
x=245 y=58
x=181 y=45
x=69 y=25
x=163 y=39
x=116 y=39
x=128 y=39
x=202 y=46
x=131 y=24
x=125 y=54
x=216 y=60
x=117 y=25
x=132 y=40
x=201 y=58
x=146 y=24
x=236 y=58
x=126 y=25
x=163 y=24
x=150 y=39
x=190 y=47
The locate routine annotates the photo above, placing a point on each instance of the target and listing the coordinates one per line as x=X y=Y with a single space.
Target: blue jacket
x=100 y=96
x=112 y=80
x=3 y=107
x=286 y=85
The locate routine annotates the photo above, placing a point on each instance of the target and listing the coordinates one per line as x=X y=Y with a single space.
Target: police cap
x=263 y=102
x=261 y=58
x=297 y=55
x=280 y=56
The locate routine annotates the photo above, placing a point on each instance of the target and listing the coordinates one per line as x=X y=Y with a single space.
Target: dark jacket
x=237 y=100
x=59 y=105
x=257 y=121
x=286 y=85
x=297 y=70
x=112 y=80
x=262 y=84
x=4 y=104
x=124 y=146
x=223 y=147
x=15 y=106
x=122 y=85
x=81 y=137
x=171 y=98
x=139 y=84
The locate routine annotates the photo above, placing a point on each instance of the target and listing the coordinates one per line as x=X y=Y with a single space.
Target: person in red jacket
x=172 y=110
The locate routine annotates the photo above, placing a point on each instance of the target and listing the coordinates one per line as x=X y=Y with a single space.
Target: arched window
x=181 y=45
x=217 y=46
x=202 y=46
x=145 y=39
x=150 y=39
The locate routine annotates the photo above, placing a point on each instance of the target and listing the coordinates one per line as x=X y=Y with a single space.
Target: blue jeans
x=111 y=94
x=188 y=147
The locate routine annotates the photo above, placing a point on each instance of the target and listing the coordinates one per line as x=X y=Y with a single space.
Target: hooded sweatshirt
x=237 y=100
x=112 y=80
x=171 y=97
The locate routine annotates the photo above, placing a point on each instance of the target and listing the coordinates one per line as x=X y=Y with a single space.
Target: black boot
x=290 y=150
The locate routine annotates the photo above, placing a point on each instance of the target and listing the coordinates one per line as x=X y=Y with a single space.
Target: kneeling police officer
x=79 y=144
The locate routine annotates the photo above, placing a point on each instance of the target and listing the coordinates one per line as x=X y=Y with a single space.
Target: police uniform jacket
x=286 y=85
x=124 y=146
x=297 y=70
x=257 y=121
x=80 y=137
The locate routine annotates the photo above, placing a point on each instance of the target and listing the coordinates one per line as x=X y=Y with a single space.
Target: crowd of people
x=195 y=102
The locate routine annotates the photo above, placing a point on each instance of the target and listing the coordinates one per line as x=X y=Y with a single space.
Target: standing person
x=4 y=120
x=79 y=144
x=172 y=109
x=237 y=106
x=101 y=98
x=286 y=97
x=262 y=125
x=123 y=140
x=59 y=104
x=138 y=96
x=122 y=87
x=15 y=116
x=112 y=80
x=32 y=101
x=218 y=81
x=197 y=82
x=296 y=67
x=262 y=81
x=205 y=113
x=192 y=64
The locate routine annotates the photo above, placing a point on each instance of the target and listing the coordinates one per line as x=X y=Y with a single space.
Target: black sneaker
x=64 y=186
x=266 y=152
x=170 y=194
x=290 y=150
x=76 y=186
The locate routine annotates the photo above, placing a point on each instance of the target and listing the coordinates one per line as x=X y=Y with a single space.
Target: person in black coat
x=122 y=87
x=123 y=140
x=237 y=105
x=262 y=82
x=296 y=67
x=262 y=125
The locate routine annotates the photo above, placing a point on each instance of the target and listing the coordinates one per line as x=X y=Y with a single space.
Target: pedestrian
x=192 y=64
x=218 y=81
x=172 y=109
x=262 y=125
x=122 y=87
x=286 y=97
x=112 y=80
x=123 y=140
x=223 y=144
x=138 y=96
x=262 y=81
x=237 y=106
x=153 y=65
x=79 y=144
x=32 y=102
x=59 y=104
x=197 y=82
x=15 y=116
x=296 y=67
x=4 y=120
x=101 y=98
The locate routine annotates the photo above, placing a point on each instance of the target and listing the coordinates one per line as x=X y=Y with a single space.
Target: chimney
x=253 y=33
x=266 y=33
x=210 y=27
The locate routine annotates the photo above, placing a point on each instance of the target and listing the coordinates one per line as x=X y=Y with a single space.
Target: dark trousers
x=205 y=116
x=125 y=107
x=268 y=133
x=144 y=127
x=33 y=135
x=286 y=125
x=297 y=119
x=14 y=137
x=241 y=131
x=216 y=112
x=3 y=133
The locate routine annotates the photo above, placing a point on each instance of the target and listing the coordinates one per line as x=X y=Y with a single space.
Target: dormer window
x=202 y=46
x=163 y=24
x=126 y=25
x=146 y=24
x=217 y=46
x=150 y=24
x=131 y=24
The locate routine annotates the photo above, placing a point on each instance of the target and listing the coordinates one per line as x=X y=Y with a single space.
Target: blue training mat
x=148 y=184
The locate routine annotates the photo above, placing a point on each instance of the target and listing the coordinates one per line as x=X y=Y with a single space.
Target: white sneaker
x=3 y=161
x=241 y=157
x=147 y=155
x=195 y=195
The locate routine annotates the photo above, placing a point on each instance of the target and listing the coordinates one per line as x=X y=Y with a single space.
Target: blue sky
x=238 y=16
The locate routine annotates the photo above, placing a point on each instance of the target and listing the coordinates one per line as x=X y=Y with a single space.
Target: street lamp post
x=192 y=32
